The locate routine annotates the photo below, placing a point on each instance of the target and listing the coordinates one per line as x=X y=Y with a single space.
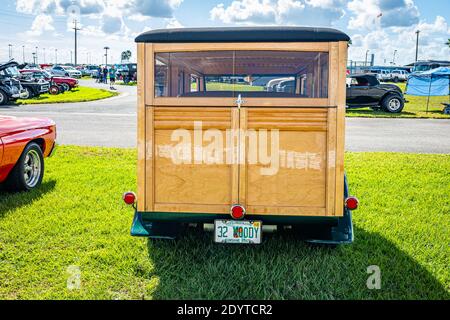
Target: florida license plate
x=234 y=231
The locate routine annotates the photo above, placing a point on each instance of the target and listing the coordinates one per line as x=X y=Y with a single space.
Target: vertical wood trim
x=331 y=164
x=340 y=130
x=149 y=74
x=333 y=78
x=149 y=115
x=150 y=160
x=235 y=163
x=141 y=137
x=243 y=156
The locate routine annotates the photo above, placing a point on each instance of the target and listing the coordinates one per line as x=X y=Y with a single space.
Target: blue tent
x=435 y=82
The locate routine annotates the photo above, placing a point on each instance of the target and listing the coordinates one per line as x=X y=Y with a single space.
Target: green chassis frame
x=325 y=230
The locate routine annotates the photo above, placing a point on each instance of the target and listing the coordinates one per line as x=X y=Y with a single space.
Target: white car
x=399 y=75
x=384 y=76
x=71 y=71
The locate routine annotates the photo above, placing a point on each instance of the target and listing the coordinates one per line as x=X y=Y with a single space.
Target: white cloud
x=371 y=14
x=41 y=24
x=173 y=23
x=295 y=12
x=384 y=41
x=138 y=18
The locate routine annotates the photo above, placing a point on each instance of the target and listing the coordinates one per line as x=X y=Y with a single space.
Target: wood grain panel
x=249 y=102
x=340 y=127
x=288 y=119
x=189 y=182
x=141 y=127
x=297 y=184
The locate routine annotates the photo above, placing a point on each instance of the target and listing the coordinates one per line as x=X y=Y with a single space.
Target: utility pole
x=365 y=62
x=417 y=45
x=10 y=51
x=393 y=60
x=36 y=55
x=106 y=55
x=76 y=39
x=23 y=54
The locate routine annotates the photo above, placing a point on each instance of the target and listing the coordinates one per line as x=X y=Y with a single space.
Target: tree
x=448 y=43
x=126 y=56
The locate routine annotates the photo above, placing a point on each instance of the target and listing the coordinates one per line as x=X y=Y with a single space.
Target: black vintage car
x=34 y=86
x=10 y=87
x=364 y=90
x=127 y=72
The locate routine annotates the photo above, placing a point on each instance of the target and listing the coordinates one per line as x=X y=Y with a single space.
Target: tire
x=54 y=90
x=28 y=172
x=65 y=86
x=29 y=93
x=393 y=104
x=3 y=98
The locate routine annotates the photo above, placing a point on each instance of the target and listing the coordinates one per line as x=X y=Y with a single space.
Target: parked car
x=399 y=75
x=127 y=72
x=24 y=143
x=384 y=75
x=65 y=71
x=89 y=70
x=304 y=187
x=10 y=87
x=66 y=82
x=364 y=90
x=34 y=86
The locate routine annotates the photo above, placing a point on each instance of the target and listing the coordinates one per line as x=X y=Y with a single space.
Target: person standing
x=105 y=75
x=99 y=74
x=112 y=77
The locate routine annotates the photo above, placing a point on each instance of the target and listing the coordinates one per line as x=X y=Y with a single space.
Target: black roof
x=244 y=34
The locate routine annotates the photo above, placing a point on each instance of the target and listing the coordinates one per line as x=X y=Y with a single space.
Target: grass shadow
x=10 y=201
x=284 y=267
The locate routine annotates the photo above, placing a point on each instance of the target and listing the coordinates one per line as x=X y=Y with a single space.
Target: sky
x=384 y=27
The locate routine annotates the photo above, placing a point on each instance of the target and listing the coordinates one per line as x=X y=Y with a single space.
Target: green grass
x=218 y=86
x=130 y=84
x=77 y=218
x=79 y=94
x=415 y=108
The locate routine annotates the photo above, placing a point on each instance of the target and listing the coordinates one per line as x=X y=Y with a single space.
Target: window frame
x=332 y=48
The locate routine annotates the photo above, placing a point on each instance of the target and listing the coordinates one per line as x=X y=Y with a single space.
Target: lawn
x=80 y=94
x=77 y=220
x=415 y=108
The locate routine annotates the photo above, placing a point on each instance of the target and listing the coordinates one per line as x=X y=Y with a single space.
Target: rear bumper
x=326 y=230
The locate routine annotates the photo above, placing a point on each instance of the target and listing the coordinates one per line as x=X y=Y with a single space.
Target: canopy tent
x=435 y=82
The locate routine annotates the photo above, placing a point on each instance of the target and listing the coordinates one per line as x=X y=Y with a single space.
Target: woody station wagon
x=241 y=130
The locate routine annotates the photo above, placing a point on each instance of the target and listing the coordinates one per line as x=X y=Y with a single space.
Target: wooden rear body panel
x=279 y=156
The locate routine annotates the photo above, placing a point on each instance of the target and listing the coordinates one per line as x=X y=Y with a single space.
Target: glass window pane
x=282 y=74
x=249 y=73
x=194 y=74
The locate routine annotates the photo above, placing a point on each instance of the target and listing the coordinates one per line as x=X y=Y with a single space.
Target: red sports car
x=66 y=82
x=24 y=143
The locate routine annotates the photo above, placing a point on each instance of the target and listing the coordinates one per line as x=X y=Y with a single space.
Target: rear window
x=249 y=73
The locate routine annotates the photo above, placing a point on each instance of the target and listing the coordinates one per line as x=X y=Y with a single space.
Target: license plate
x=234 y=231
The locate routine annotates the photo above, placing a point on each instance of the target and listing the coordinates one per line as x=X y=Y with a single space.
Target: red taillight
x=351 y=203
x=237 y=212
x=129 y=198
